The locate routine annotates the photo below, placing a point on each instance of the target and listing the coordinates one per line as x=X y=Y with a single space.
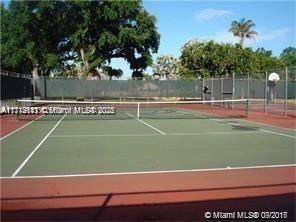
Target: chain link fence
x=270 y=97
x=15 y=86
x=117 y=89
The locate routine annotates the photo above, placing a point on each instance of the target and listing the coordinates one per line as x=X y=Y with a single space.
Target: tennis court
x=66 y=146
x=145 y=160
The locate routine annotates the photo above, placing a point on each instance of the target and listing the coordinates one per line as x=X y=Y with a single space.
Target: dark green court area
x=67 y=147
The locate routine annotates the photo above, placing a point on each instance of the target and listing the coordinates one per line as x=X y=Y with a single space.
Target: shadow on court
x=191 y=210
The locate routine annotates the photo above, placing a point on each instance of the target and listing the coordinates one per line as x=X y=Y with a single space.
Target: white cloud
x=274 y=34
x=207 y=14
x=223 y=36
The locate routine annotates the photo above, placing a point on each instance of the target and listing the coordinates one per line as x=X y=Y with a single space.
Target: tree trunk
x=241 y=41
x=86 y=64
x=35 y=72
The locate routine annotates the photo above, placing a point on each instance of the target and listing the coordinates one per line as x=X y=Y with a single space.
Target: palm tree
x=242 y=29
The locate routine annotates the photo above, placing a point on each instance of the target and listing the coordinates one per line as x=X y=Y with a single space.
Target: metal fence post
x=265 y=95
x=233 y=89
x=286 y=94
x=33 y=88
x=212 y=89
x=248 y=94
x=248 y=86
x=221 y=95
x=203 y=86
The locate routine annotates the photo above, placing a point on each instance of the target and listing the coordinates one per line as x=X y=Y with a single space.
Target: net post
x=265 y=95
x=286 y=93
x=138 y=110
x=247 y=108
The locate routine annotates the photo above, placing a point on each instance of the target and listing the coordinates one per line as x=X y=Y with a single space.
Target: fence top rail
x=14 y=74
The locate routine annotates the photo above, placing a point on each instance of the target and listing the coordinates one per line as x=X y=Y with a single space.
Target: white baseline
x=228 y=168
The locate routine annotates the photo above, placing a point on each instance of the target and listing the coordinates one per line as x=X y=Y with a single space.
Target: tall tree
x=207 y=59
x=41 y=36
x=288 y=56
x=15 y=38
x=114 y=29
x=33 y=33
x=243 y=29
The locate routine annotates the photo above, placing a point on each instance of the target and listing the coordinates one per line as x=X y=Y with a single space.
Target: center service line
x=36 y=148
x=145 y=123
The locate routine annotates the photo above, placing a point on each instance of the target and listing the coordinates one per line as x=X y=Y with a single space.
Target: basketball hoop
x=274 y=77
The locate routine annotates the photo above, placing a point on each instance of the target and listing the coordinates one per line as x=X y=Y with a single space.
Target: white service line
x=36 y=148
x=102 y=135
x=140 y=135
x=20 y=128
x=154 y=172
x=145 y=123
x=281 y=134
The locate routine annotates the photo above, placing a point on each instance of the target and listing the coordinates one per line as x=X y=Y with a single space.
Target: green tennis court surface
x=72 y=147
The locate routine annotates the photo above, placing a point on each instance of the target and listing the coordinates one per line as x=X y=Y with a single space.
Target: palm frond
x=242 y=29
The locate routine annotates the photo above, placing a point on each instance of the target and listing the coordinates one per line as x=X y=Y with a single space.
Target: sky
x=181 y=21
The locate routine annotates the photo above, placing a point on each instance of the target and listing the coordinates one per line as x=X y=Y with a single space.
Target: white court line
x=36 y=148
x=20 y=128
x=213 y=133
x=235 y=124
x=153 y=172
x=265 y=124
x=281 y=134
x=140 y=135
x=102 y=135
x=145 y=123
x=218 y=120
x=267 y=131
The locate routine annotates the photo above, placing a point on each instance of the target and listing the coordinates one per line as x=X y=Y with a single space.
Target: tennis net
x=54 y=109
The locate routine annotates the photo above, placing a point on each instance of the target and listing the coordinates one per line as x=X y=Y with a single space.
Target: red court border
x=162 y=196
